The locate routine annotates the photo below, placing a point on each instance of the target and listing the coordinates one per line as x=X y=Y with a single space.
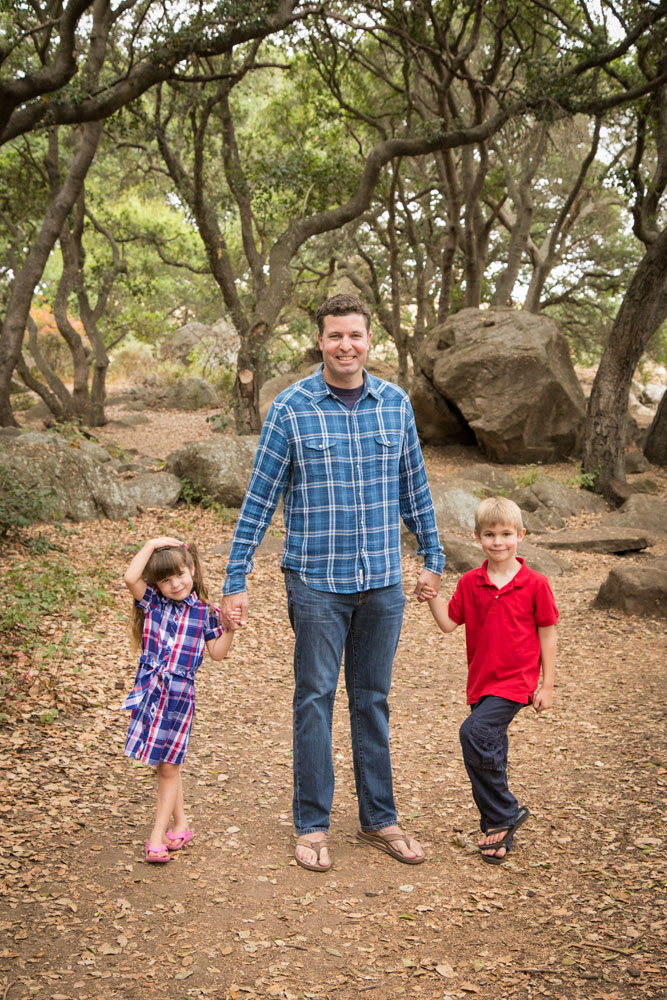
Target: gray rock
x=192 y=394
x=154 y=489
x=651 y=394
x=641 y=512
x=637 y=589
x=636 y=462
x=535 y=524
x=219 y=467
x=454 y=508
x=39 y=411
x=130 y=420
x=219 y=342
x=606 y=538
x=438 y=421
x=543 y=561
x=508 y=376
x=84 y=486
x=548 y=495
x=493 y=477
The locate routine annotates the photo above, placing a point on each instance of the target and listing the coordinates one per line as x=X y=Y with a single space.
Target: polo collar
x=519 y=580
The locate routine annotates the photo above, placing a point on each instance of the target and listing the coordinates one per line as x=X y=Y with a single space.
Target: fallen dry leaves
x=577 y=912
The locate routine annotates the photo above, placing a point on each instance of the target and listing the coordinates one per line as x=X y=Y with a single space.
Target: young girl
x=171 y=621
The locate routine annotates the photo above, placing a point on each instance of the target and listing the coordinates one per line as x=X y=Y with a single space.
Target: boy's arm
x=439 y=612
x=544 y=696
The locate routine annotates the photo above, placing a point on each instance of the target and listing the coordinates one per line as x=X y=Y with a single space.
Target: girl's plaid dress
x=162 y=700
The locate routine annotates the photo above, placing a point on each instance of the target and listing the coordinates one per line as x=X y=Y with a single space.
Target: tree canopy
x=437 y=154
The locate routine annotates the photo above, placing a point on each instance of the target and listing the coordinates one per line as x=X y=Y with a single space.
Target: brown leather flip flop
x=383 y=841
x=313 y=845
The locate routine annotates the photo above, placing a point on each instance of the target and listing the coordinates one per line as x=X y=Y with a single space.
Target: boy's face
x=499 y=542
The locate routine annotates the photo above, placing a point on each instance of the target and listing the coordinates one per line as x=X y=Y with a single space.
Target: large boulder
x=491 y=476
x=154 y=489
x=507 y=376
x=84 y=484
x=609 y=539
x=192 y=394
x=454 y=507
x=218 y=343
x=641 y=512
x=546 y=496
x=219 y=468
x=637 y=589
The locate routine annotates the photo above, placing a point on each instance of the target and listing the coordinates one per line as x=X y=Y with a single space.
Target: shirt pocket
x=318 y=457
x=387 y=451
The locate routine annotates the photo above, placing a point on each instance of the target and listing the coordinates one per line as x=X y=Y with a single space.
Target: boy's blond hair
x=497 y=510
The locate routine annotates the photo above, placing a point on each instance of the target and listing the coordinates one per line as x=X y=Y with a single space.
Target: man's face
x=344 y=343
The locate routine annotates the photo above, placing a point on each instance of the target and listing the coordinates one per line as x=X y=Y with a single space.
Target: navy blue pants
x=484 y=742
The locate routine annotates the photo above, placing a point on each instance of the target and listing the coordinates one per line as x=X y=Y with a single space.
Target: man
x=342 y=447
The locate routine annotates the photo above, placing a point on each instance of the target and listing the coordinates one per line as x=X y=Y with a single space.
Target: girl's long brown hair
x=162 y=563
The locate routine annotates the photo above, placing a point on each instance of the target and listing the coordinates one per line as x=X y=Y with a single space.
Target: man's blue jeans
x=365 y=626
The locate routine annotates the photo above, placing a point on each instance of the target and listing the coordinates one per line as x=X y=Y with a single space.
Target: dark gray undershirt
x=347 y=396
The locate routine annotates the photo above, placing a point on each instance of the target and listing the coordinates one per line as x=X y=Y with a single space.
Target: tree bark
x=25 y=282
x=643 y=310
x=655 y=447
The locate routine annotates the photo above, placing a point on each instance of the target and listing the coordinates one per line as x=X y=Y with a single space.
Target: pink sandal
x=182 y=839
x=155 y=860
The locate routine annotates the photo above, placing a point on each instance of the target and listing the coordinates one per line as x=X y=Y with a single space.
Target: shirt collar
x=519 y=580
x=372 y=385
x=191 y=599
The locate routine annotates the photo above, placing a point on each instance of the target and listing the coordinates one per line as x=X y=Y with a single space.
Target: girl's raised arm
x=133 y=574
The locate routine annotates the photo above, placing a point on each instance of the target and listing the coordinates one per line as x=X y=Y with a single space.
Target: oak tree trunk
x=643 y=310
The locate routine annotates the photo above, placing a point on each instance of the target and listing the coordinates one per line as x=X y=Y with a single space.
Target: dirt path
x=578 y=912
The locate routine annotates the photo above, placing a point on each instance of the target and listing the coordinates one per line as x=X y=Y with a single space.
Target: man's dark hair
x=342 y=305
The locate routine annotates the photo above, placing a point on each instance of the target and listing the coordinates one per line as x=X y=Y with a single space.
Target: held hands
x=428 y=585
x=234 y=611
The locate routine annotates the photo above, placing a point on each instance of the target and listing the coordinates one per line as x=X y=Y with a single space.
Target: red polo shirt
x=501 y=631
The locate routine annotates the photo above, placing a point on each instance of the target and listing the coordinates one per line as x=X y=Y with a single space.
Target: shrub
x=21 y=505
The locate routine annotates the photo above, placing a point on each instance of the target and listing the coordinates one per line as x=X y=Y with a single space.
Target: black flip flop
x=493 y=859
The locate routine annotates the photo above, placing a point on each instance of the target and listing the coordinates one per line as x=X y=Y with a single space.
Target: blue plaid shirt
x=348 y=477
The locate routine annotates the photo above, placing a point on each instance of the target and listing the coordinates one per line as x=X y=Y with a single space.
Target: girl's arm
x=439 y=611
x=134 y=572
x=218 y=648
x=544 y=696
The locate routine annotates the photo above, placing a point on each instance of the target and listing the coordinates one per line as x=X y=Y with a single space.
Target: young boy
x=510 y=615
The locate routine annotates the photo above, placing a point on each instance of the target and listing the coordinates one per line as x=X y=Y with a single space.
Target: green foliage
x=50 y=586
x=192 y=495
x=218 y=422
x=32 y=591
x=581 y=480
x=528 y=476
x=20 y=505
